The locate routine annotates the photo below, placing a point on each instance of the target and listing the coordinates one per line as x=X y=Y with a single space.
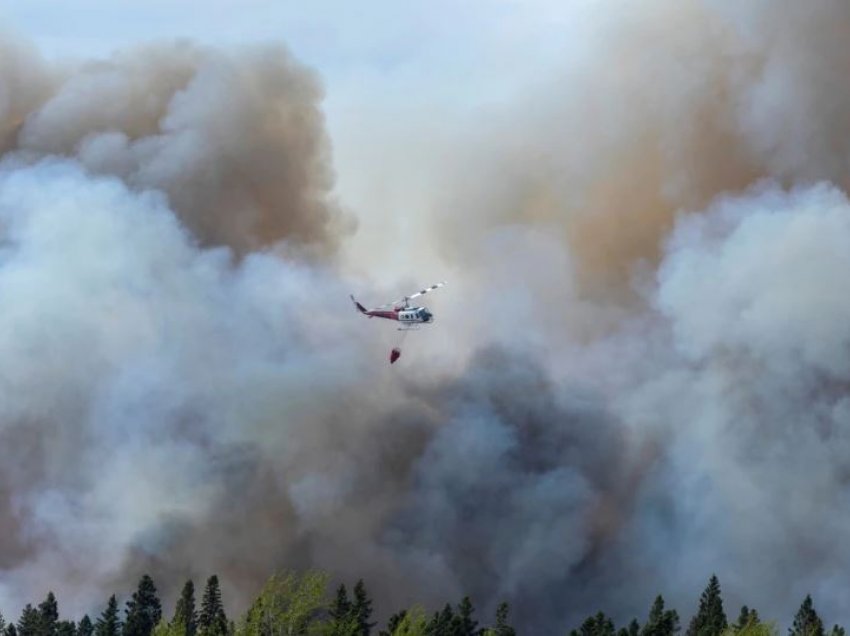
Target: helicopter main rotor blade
x=417 y=294
x=425 y=291
x=404 y=300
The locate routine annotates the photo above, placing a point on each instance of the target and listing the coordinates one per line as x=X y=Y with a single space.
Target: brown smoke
x=678 y=103
x=236 y=140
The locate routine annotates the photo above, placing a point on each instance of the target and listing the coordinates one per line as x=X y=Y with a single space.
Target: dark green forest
x=293 y=604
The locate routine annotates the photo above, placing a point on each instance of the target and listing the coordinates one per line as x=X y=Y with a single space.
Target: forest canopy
x=301 y=604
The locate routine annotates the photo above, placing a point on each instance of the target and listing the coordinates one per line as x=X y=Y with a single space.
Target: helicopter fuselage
x=409 y=315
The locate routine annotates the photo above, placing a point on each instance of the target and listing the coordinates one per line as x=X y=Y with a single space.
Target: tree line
x=293 y=604
x=710 y=620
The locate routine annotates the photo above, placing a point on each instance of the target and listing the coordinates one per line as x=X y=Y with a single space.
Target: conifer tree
x=10 y=630
x=463 y=624
x=48 y=615
x=597 y=625
x=344 y=621
x=632 y=630
x=502 y=627
x=66 y=628
x=361 y=608
x=109 y=623
x=710 y=619
x=29 y=623
x=746 y=617
x=185 y=620
x=212 y=621
x=85 y=627
x=441 y=623
x=393 y=623
x=807 y=622
x=2 y=623
x=143 y=610
x=341 y=606
x=660 y=622
x=837 y=630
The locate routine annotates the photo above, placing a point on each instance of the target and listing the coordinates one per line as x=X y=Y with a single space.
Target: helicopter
x=401 y=311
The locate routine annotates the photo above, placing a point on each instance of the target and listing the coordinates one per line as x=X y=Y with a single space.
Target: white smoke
x=129 y=355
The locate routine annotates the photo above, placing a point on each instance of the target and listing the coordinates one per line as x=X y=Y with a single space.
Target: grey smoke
x=639 y=377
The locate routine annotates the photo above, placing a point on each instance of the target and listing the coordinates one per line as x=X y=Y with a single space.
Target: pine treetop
x=710 y=619
x=660 y=622
x=503 y=628
x=85 y=627
x=441 y=622
x=341 y=606
x=806 y=621
x=66 y=628
x=185 y=619
x=48 y=615
x=361 y=608
x=597 y=625
x=464 y=624
x=212 y=621
x=143 y=610
x=29 y=622
x=109 y=623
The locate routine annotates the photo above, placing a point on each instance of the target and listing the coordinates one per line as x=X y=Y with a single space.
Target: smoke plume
x=236 y=140
x=638 y=376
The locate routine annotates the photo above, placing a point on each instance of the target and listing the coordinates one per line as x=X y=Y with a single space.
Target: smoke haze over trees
x=296 y=604
x=638 y=373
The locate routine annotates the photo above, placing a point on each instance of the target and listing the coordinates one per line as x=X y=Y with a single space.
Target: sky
x=328 y=35
x=460 y=52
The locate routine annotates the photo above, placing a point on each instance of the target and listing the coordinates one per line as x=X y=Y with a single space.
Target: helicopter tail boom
x=360 y=307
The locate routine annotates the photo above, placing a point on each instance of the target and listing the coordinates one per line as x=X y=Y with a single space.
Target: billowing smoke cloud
x=236 y=141
x=149 y=359
x=663 y=106
x=128 y=186
x=641 y=379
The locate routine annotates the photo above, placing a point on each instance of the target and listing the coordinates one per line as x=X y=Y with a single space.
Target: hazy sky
x=396 y=75
x=440 y=38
